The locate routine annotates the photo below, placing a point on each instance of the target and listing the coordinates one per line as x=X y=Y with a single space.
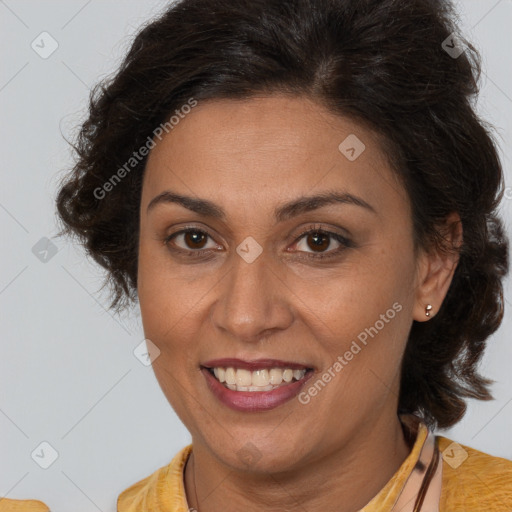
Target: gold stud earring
x=427 y=309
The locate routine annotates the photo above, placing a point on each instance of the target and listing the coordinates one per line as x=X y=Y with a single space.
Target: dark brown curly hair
x=384 y=63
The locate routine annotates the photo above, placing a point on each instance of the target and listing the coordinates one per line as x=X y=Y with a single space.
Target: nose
x=253 y=301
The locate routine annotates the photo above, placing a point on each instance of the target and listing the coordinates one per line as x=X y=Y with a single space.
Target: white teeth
x=243 y=377
x=288 y=375
x=250 y=388
x=298 y=374
x=230 y=376
x=276 y=376
x=259 y=380
x=220 y=373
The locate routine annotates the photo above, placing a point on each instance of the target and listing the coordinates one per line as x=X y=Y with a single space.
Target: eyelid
x=183 y=230
x=316 y=227
x=343 y=240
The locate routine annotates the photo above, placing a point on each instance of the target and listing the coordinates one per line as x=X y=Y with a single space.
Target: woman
x=302 y=200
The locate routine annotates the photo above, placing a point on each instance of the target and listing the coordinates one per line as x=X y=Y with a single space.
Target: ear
x=435 y=269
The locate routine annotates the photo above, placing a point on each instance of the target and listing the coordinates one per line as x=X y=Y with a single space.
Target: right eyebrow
x=284 y=212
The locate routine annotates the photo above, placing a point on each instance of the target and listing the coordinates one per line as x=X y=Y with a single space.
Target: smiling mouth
x=267 y=379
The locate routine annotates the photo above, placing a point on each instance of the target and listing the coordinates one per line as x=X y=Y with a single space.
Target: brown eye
x=318 y=241
x=189 y=240
x=195 y=239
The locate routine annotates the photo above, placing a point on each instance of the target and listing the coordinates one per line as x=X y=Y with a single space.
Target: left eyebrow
x=284 y=212
x=309 y=203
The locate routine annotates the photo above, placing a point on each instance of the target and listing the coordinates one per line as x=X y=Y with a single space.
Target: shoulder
x=473 y=480
x=143 y=492
x=8 y=505
x=159 y=490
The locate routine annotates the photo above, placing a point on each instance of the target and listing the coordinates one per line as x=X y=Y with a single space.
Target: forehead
x=264 y=150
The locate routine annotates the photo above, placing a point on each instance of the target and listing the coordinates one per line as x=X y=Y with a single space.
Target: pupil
x=194 y=236
x=315 y=238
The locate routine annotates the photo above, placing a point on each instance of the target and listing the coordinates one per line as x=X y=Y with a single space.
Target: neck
x=345 y=481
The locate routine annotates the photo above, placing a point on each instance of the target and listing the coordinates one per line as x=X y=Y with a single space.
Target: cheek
x=174 y=311
x=337 y=305
x=165 y=294
x=362 y=337
x=167 y=312
x=355 y=295
x=363 y=314
x=161 y=306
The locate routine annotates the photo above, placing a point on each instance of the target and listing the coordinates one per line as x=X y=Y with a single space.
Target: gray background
x=68 y=373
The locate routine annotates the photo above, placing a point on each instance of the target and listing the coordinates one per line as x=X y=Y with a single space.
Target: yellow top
x=472 y=481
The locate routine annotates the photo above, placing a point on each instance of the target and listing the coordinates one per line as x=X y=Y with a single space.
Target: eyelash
x=345 y=242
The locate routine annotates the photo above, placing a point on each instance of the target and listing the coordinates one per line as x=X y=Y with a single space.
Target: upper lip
x=254 y=364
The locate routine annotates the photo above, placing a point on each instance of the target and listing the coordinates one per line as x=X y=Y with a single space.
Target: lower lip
x=254 y=400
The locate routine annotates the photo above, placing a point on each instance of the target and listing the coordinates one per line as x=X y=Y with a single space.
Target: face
x=329 y=285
